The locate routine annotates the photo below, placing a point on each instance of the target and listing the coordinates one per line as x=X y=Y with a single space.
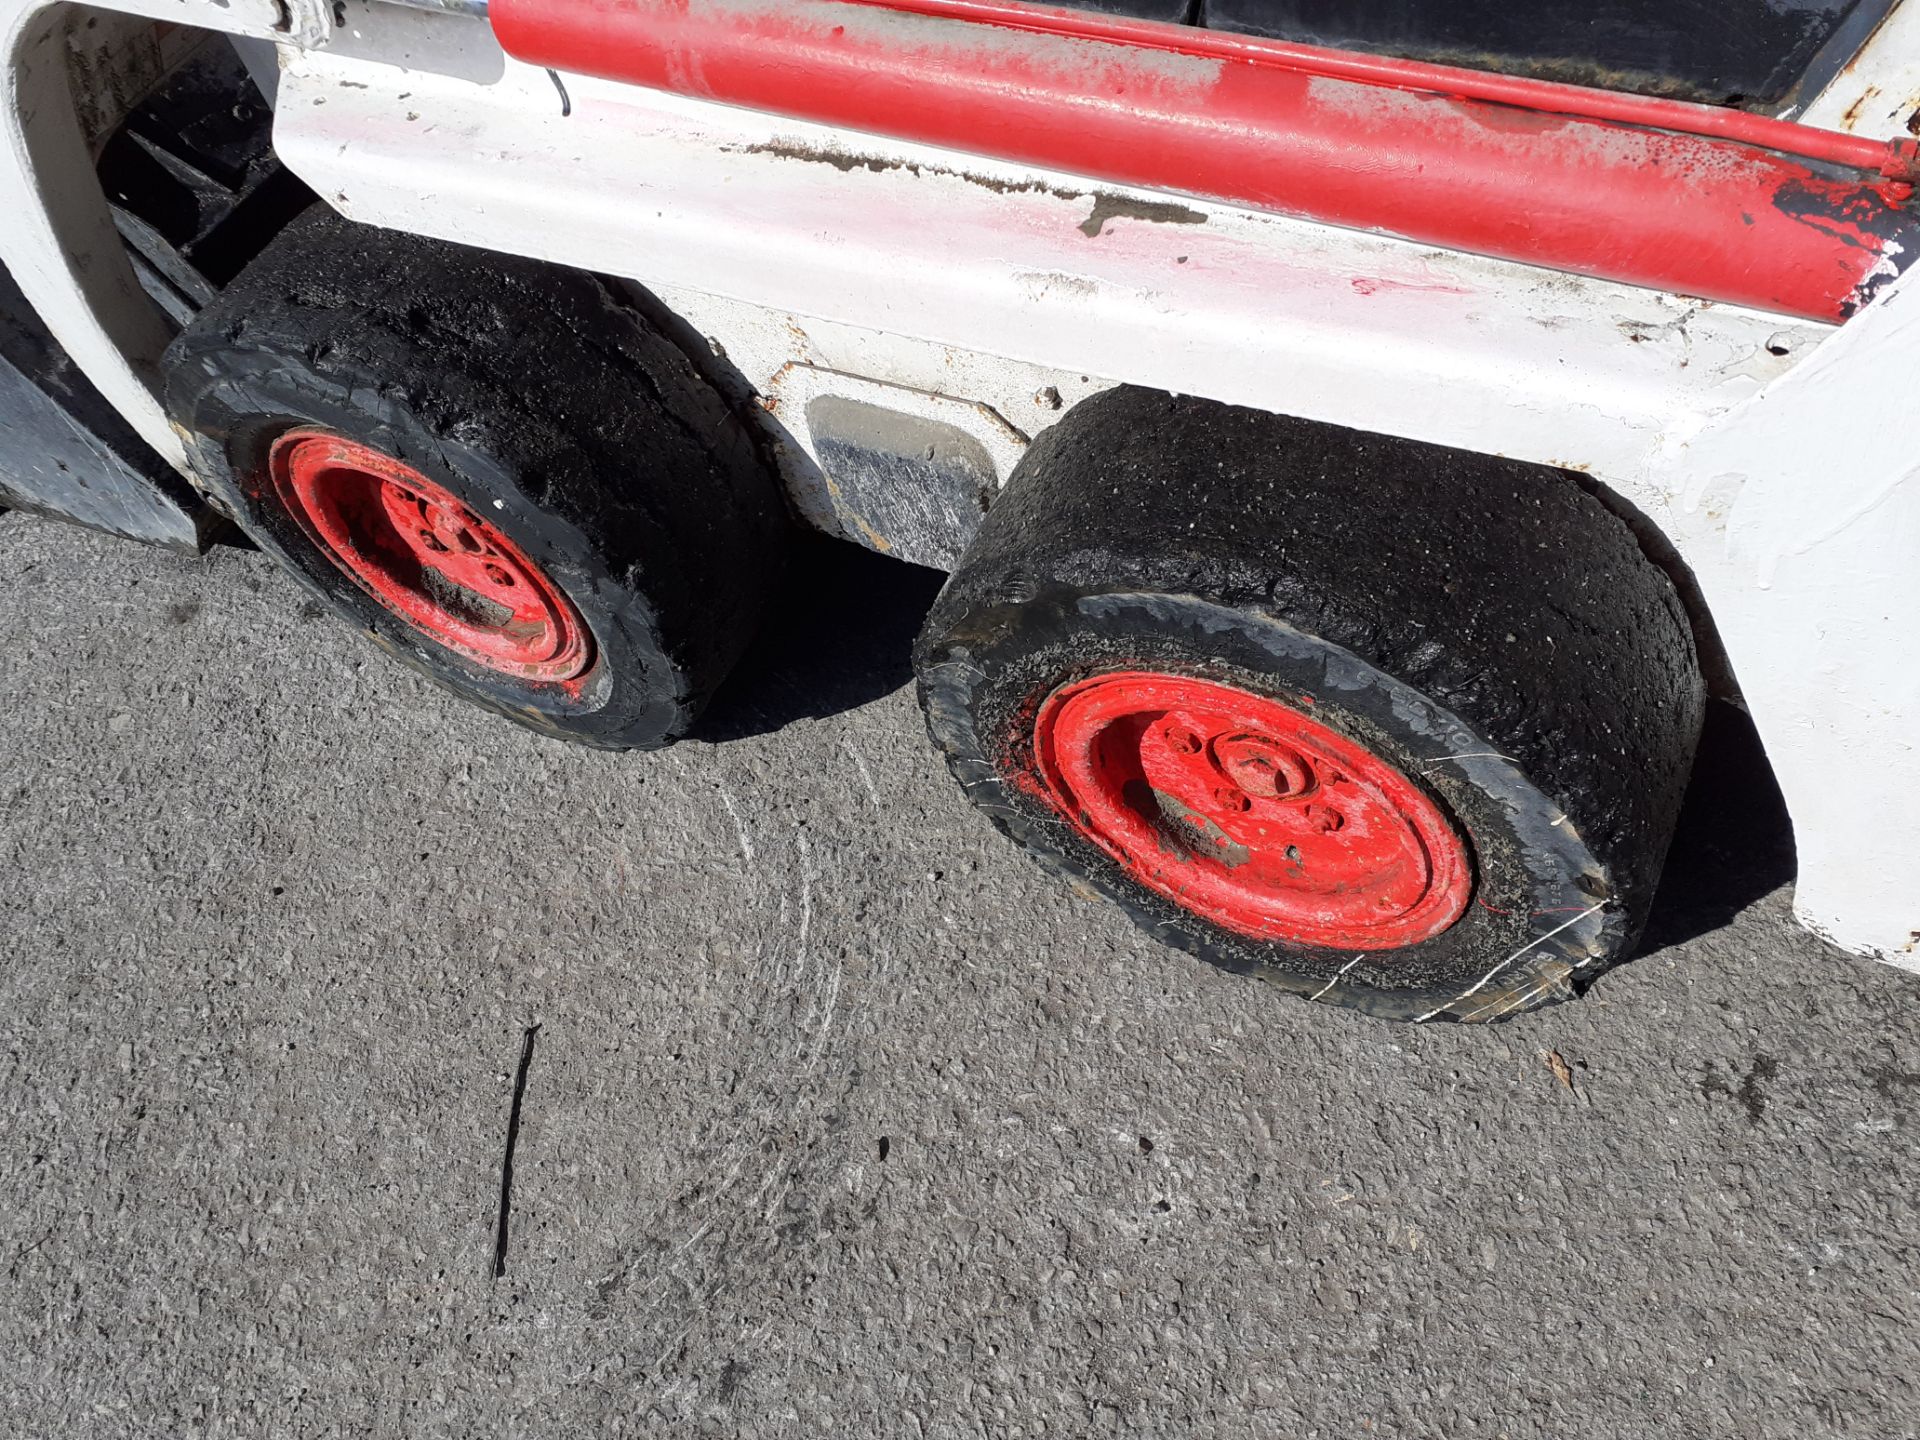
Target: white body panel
x=1750 y=440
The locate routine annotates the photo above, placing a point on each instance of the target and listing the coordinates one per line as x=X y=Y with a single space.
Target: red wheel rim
x=1250 y=814
x=422 y=553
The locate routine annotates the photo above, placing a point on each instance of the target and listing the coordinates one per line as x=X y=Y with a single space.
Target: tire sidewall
x=1541 y=913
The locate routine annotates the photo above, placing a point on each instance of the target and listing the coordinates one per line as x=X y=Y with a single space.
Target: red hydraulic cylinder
x=1713 y=203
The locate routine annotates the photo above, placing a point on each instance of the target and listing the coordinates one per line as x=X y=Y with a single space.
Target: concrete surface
x=841 y=1120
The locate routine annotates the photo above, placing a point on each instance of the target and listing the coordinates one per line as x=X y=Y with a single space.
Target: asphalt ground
x=838 y=1118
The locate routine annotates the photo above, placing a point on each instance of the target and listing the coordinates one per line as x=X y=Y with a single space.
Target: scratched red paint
x=1373 y=285
x=1719 y=204
x=413 y=546
x=1248 y=813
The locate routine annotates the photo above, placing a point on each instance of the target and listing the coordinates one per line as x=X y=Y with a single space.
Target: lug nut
x=1325 y=819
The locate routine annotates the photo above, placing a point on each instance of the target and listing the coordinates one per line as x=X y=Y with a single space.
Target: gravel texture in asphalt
x=840 y=1118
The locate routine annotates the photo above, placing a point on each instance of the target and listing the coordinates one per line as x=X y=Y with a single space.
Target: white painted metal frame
x=1765 y=448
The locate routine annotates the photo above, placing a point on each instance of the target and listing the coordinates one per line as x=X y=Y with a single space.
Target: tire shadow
x=1734 y=842
x=839 y=634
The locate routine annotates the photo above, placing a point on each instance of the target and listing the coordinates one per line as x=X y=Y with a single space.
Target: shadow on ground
x=840 y=634
x=1734 y=843
x=842 y=631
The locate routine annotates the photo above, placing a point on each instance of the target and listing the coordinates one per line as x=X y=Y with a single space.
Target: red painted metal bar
x=1898 y=159
x=1713 y=203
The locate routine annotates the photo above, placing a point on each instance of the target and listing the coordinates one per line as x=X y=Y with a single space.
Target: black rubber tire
x=1487 y=627
x=535 y=396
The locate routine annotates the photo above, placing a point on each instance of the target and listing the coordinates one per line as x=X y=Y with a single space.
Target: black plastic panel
x=1173 y=12
x=1750 y=53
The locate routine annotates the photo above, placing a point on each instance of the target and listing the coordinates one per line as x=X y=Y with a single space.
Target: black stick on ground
x=506 y=1160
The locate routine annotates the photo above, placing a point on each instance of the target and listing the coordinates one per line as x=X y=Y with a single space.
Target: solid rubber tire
x=540 y=400
x=1488 y=627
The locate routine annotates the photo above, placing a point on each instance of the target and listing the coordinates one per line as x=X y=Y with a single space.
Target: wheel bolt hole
x=499 y=576
x=1325 y=820
x=1233 y=799
x=1183 y=741
x=432 y=542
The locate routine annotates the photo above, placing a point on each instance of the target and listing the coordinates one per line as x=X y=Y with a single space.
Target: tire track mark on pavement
x=753 y=1163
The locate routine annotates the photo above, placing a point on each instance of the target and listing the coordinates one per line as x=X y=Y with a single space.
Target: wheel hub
x=1250 y=813
x=416 y=548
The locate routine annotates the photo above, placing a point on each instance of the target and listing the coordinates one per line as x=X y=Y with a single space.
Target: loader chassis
x=907 y=312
